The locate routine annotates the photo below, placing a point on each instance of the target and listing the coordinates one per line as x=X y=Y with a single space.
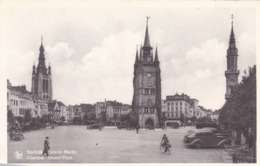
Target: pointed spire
x=156 y=55
x=41 y=47
x=49 y=68
x=141 y=53
x=232 y=36
x=41 y=65
x=147 y=38
x=232 y=49
x=33 y=67
x=136 y=57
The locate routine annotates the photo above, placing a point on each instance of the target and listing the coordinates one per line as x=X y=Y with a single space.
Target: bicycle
x=162 y=148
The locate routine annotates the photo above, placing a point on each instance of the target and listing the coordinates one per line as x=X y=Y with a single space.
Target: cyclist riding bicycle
x=165 y=142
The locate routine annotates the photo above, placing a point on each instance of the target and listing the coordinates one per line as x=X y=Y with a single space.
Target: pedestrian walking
x=137 y=128
x=249 y=141
x=46 y=147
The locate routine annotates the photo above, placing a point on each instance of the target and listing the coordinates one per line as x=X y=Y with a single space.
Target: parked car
x=174 y=125
x=209 y=129
x=121 y=125
x=95 y=126
x=203 y=125
x=200 y=139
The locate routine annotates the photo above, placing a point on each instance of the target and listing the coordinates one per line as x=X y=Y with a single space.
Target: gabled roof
x=61 y=104
x=51 y=106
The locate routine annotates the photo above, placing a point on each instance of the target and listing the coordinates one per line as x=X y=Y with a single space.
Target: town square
x=131 y=88
x=110 y=145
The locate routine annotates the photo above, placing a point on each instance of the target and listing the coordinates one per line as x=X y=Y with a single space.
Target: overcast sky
x=92 y=49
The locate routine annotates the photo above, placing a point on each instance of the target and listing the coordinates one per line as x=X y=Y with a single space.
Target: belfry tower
x=231 y=73
x=41 y=79
x=147 y=85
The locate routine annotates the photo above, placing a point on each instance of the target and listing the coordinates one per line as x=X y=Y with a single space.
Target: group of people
x=15 y=133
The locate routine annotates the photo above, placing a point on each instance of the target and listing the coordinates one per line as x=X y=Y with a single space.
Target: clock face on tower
x=232 y=81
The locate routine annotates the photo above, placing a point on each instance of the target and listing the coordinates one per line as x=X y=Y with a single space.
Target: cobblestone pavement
x=76 y=144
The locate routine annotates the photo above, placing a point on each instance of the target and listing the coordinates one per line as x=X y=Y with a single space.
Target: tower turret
x=146 y=101
x=41 y=65
x=33 y=68
x=141 y=54
x=136 y=57
x=147 y=47
x=41 y=80
x=231 y=72
x=49 y=69
x=156 y=59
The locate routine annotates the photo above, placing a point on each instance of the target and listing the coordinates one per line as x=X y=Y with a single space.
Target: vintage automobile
x=174 y=125
x=95 y=126
x=121 y=125
x=199 y=139
x=203 y=125
x=210 y=129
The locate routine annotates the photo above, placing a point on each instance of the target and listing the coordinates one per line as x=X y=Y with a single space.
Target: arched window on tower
x=140 y=80
x=47 y=86
x=232 y=62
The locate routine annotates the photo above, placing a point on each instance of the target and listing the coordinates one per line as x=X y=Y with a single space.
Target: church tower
x=231 y=72
x=147 y=85
x=41 y=79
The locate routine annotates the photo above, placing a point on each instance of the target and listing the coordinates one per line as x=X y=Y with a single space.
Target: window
x=145 y=110
x=181 y=103
x=172 y=108
x=172 y=104
x=208 y=134
x=168 y=104
x=140 y=80
x=151 y=110
x=168 y=108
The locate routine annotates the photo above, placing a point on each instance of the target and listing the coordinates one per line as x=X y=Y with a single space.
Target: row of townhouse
x=112 y=109
x=176 y=106
x=78 y=112
x=19 y=100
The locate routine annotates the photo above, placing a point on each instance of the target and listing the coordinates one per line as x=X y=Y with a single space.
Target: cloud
x=200 y=67
x=103 y=70
x=203 y=73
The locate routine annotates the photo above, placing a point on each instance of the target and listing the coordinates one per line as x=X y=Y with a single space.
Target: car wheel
x=198 y=145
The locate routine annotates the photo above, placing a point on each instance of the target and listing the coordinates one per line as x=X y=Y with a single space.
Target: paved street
x=110 y=145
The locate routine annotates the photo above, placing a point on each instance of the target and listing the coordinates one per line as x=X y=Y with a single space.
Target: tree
x=182 y=118
x=115 y=117
x=124 y=118
x=45 y=118
x=103 y=117
x=239 y=112
x=27 y=116
x=10 y=117
x=62 y=118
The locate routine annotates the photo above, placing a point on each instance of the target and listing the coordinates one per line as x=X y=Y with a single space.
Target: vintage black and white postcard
x=128 y=81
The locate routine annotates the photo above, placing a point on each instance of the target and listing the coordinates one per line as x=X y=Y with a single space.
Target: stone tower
x=231 y=73
x=147 y=85
x=41 y=79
